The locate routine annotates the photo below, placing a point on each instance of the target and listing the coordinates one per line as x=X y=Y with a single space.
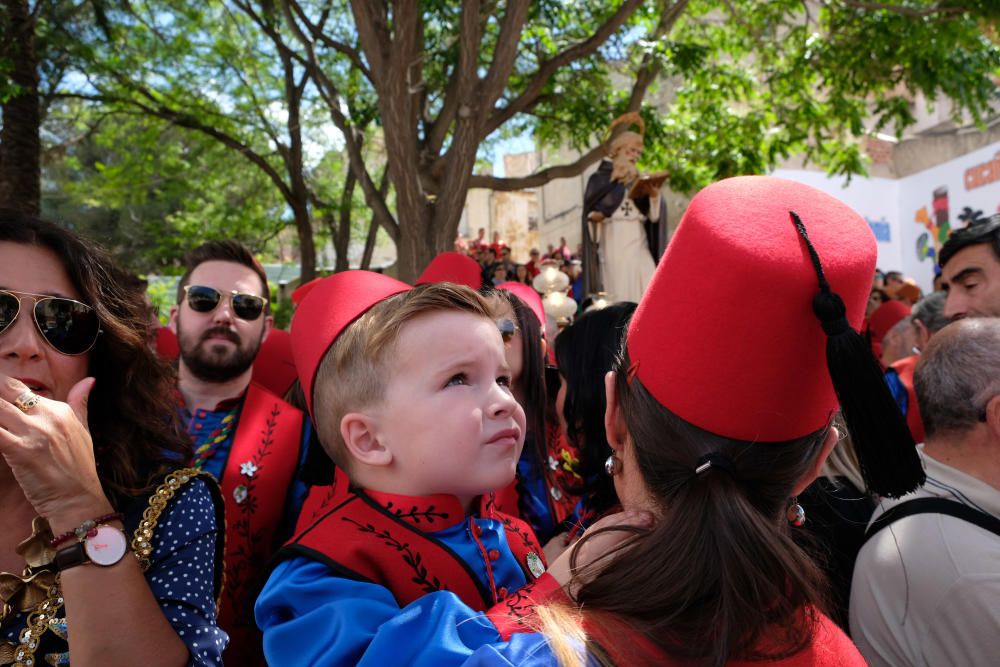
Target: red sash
x=365 y=540
x=904 y=369
x=255 y=482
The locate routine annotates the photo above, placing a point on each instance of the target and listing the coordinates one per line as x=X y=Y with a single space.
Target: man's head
x=970 y=270
x=222 y=312
x=534 y=254
x=394 y=407
x=899 y=342
x=625 y=151
x=957 y=379
x=893 y=279
x=505 y=253
x=928 y=318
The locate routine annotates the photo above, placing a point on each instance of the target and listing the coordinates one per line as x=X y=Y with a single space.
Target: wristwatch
x=104 y=546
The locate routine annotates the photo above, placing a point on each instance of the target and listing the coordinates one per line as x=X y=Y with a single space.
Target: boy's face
x=448 y=416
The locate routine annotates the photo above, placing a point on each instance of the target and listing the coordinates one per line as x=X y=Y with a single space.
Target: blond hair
x=354 y=373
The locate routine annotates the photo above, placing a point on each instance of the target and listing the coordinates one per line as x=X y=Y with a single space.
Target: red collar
x=224 y=404
x=426 y=513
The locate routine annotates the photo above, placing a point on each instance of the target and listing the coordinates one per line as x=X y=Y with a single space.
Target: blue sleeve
x=310 y=616
x=898 y=390
x=182 y=572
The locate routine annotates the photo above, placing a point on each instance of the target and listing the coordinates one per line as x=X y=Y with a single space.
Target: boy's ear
x=359 y=434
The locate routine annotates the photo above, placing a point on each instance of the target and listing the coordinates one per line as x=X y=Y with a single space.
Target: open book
x=647 y=186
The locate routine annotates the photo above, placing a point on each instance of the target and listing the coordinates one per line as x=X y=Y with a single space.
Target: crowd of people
x=788 y=464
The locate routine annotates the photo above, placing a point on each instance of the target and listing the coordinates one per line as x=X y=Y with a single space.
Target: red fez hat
x=749 y=353
x=886 y=317
x=529 y=296
x=300 y=292
x=274 y=367
x=331 y=305
x=452 y=267
x=166 y=344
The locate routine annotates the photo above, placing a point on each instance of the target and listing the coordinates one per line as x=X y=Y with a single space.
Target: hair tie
x=714 y=460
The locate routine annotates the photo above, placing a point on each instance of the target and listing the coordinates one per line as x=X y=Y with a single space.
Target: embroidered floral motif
x=416 y=513
x=412 y=559
x=248 y=468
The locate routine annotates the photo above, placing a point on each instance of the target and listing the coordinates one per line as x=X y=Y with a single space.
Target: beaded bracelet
x=85 y=529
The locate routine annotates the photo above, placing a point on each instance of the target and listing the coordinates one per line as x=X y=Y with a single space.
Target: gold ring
x=26 y=401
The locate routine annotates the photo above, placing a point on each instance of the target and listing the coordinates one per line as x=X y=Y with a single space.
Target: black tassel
x=885 y=448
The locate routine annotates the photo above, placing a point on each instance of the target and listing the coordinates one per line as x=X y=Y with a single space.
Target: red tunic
x=904 y=369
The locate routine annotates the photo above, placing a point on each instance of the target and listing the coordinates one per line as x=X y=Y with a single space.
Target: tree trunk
x=20 y=153
x=307 y=245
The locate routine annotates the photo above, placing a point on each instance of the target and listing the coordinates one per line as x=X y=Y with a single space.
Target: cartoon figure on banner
x=938 y=227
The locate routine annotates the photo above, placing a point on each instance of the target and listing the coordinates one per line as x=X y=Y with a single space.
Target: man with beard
x=252 y=441
x=624 y=219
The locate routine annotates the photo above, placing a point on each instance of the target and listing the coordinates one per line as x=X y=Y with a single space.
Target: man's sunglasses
x=205 y=299
x=508 y=329
x=68 y=326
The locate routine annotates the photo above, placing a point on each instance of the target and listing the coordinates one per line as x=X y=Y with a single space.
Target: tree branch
x=542 y=177
x=505 y=52
x=527 y=97
x=320 y=36
x=903 y=9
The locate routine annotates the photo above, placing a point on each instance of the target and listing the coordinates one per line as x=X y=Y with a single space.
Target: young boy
x=409 y=391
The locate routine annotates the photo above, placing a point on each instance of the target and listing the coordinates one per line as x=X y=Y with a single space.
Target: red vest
x=255 y=483
x=365 y=539
x=904 y=369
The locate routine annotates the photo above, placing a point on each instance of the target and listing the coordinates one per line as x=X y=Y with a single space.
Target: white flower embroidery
x=248 y=468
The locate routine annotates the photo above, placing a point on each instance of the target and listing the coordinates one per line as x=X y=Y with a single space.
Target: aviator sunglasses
x=204 y=299
x=68 y=326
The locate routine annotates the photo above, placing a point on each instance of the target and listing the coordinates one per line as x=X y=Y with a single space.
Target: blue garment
x=181 y=578
x=525 y=649
x=533 y=493
x=311 y=615
x=898 y=390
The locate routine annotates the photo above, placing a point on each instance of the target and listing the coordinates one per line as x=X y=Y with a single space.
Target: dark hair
x=131 y=411
x=585 y=351
x=532 y=371
x=986 y=231
x=718 y=572
x=223 y=251
x=898 y=275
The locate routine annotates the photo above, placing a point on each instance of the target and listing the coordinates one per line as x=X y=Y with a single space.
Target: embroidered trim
x=414 y=560
x=142 y=545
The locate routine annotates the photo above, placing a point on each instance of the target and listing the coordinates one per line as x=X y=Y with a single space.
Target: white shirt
x=926 y=590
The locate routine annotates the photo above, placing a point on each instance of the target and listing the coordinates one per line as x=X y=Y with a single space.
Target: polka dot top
x=181 y=575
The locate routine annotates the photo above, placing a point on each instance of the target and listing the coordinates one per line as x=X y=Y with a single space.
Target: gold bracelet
x=142 y=539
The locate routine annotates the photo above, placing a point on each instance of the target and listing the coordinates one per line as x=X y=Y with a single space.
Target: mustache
x=220 y=331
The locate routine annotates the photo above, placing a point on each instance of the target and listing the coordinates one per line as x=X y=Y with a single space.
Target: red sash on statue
x=370 y=539
x=255 y=483
x=904 y=369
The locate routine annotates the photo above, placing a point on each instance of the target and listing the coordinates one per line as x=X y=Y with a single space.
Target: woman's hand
x=50 y=452
x=597 y=548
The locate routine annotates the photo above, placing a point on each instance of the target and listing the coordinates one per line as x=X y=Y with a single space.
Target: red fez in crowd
x=299 y=293
x=453 y=267
x=166 y=344
x=531 y=298
x=749 y=353
x=885 y=317
x=331 y=305
x=274 y=367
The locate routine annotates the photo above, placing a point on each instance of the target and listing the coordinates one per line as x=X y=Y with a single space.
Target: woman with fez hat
x=718 y=416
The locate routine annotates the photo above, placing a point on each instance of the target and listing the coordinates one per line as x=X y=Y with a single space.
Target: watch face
x=106 y=547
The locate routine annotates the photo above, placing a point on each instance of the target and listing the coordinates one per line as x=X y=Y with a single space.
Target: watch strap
x=70 y=556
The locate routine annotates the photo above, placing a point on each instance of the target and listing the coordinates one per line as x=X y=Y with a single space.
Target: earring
x=611 y=466
x=795 y=514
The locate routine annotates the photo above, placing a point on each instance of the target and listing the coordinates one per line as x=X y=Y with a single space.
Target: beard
x=623 y=171
x=211 y=362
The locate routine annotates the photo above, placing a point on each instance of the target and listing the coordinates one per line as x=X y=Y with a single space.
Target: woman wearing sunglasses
x=109 y=553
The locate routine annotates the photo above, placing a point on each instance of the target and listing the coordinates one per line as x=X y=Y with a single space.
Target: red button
x=197 y=427
x=502 y=594
x=493 y=554
x=201 y=414
x=477 y=530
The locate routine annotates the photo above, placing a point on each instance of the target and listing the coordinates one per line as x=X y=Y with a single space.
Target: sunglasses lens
x=69 y=326
x=8 y=309
x=202 y=299
x=248 y=306
x=507 y=329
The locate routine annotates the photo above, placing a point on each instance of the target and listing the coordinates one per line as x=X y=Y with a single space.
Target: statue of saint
x=626 y=216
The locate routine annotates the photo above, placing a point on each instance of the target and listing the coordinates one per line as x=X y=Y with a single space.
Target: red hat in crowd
x=452 y=267
x=886 y=317
x=531 y=298
x=331 y=305
x=166 y=344
x=299 y=293
x=274 y=367
x=764 y=349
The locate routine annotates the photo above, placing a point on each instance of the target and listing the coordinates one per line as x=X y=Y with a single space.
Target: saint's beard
x=211 y=364
x=623 y=171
